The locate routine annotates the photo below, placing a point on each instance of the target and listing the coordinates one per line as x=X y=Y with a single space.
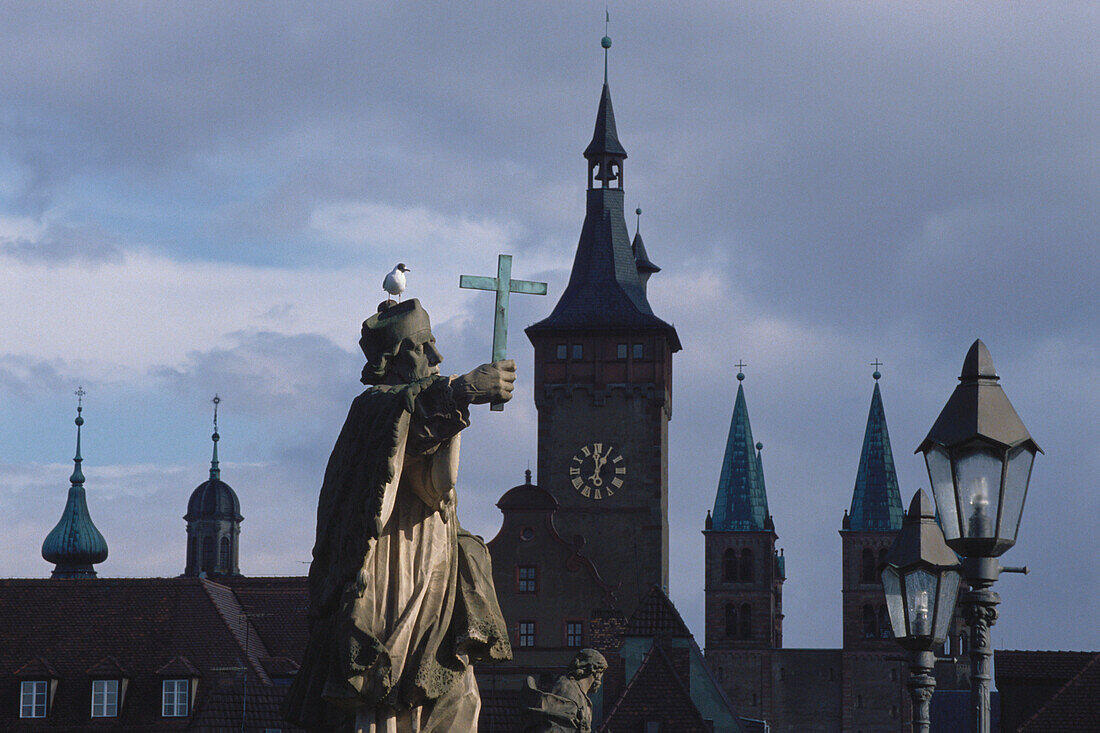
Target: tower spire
x=74 y=545
x=741 y=502
x=215 y=471
x=876 y=499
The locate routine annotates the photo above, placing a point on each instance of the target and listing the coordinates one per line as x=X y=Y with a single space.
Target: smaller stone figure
x=565 y=709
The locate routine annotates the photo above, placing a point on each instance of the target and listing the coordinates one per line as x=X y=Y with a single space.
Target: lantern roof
x=920 y=539
x=978 y=409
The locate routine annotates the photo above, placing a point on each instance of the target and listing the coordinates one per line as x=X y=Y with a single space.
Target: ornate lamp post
x=979 y=457
x=921 y=579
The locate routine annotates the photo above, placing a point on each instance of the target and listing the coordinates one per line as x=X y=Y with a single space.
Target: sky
x=198 y=198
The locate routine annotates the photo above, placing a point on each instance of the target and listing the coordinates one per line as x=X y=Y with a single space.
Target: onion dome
x=213 y=498
x=528 y=496
x=75 y=544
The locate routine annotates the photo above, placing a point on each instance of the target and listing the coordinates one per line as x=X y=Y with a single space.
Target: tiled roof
x=1075 y=707
x=277 y=608
x=655 y=616
x=655 y=694
x=1012 y=663
x=221 y=710
x=500 y=710
x=141 y=629
x=741 y=503
x=876 y=500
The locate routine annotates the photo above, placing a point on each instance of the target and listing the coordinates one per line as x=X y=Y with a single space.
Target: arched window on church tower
x=729 y=566
x=207 y=554
x=881 y=559
x=868 y=621
x=746 y=566
x=883 y=623
x=868 y=574
x=746 y=621
x=225 y=562
x=731 y=621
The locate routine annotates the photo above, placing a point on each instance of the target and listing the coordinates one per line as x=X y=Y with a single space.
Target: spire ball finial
x=759 y=446
x=740 y=376
x=638 y=211
x=79 y=405
x=606 y=41
x=877 y=375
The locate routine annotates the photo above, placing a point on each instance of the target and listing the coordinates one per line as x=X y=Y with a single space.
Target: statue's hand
x=488 y=383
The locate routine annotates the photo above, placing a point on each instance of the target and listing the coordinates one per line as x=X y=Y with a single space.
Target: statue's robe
x=401 y=598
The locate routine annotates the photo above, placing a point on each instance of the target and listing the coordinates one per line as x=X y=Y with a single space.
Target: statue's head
x=398 y=344
x=588 y=663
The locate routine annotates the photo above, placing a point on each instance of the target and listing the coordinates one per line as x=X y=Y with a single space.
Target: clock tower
x=603 y=389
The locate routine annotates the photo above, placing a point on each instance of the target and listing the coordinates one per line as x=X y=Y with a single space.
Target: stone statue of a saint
x=401 y=597
x=566 y=708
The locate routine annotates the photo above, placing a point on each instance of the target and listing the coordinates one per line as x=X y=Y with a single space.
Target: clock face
x=597 y=471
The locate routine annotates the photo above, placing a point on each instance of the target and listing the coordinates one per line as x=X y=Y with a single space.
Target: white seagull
x=394 y=283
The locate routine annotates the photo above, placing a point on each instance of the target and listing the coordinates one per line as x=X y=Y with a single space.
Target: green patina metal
x=503 y=285
x=876 y=501
x=742 y=501
x=75 y=544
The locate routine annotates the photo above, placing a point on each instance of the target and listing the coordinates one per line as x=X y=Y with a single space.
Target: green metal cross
x=502 y=285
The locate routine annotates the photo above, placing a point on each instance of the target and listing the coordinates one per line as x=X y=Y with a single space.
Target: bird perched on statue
x=394 y=283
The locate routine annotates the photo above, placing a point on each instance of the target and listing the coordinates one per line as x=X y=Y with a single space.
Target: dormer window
x=32 y=698
x=175 y=698
x=105 y=698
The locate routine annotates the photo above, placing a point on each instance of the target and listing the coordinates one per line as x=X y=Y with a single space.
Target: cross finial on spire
x=740 y=370
x=877 y=374
x=638 y=226
x=79 y=398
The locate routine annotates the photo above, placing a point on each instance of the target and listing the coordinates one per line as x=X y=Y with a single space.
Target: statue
x=402 y=601
x=566 y=708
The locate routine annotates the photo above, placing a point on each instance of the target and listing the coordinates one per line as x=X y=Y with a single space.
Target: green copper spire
x=742 y=502
x=876 y=501
x=74 y=545
x=215 y=471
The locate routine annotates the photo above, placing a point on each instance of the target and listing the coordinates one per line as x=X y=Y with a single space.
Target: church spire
x=606 y=289
x=74 y=545
x=741 y=503
x=876 y=500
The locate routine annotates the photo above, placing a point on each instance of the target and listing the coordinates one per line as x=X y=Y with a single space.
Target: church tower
x=603 y=388
x=867 y=532
x=744 y=575
x=213 y=522
x=75 y=545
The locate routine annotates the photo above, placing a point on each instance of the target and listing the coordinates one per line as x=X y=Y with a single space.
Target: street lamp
x=979 y=457
x=920 y=577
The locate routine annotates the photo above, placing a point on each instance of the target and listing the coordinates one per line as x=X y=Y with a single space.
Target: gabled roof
x=741 y=503
x=655 y=616
x=605 y=138
x=656 y=693
x=876 y=500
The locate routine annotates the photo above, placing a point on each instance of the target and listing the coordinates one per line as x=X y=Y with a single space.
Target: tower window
x=105 y=698
x=225 y=564
x=729 y=566
x=174 y=702
x=746 y=621
x=731 y=621
x=639 y=351
x=574 y=634
x=746 y=566
x=32 y=699
x=207 y=554
x=526 y=636
x=526 y=579
x=869 y=622
x=868 y=575
x=562 y=352
x=578 y=351
x=620 y=351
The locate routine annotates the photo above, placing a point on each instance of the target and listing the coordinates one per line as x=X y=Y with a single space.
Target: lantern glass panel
x=945 y=604
x=891 y=585
x=1016 y=480
x=979 y=475
x=920 y=597
x=943 y=489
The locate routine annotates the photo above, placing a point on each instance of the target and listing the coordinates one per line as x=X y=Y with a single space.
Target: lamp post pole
x=980 y=613
x=921 y=686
